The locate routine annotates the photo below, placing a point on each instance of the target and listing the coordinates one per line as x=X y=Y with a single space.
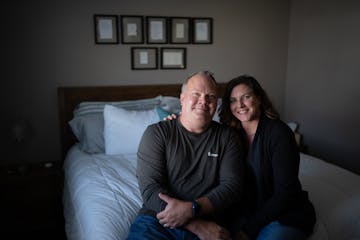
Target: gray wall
x=306 y=55
x=51 y=43
x=323 y=87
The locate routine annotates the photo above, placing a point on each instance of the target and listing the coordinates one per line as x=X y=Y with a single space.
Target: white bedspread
x=101 y=197
x=335 y=193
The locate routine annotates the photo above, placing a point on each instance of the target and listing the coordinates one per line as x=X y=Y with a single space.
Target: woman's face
x=244 y=104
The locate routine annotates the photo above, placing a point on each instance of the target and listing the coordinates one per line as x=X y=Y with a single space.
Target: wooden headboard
x=69 y=97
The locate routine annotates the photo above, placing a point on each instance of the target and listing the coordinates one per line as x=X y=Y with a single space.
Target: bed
x=100 y=129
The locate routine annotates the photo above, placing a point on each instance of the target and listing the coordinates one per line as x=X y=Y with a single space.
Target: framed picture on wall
x=132 y=29
x=179 y=30
x=202 y=30
x=143 y=58
x=106 y=29
x=173 y=58
x=157 y=28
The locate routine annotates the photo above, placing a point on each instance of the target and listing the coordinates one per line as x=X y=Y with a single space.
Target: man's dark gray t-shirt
x=187 y=166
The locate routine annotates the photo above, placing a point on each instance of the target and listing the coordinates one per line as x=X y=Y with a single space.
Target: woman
x=275 y=207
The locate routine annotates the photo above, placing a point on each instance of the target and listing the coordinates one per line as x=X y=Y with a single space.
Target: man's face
x=199 y=100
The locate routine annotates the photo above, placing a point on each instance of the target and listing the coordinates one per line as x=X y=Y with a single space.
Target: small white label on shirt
x=213 y=154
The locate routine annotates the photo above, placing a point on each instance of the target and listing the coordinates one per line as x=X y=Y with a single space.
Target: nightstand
x=31 y=205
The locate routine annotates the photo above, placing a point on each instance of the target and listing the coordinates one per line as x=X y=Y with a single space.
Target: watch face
x=195 y=208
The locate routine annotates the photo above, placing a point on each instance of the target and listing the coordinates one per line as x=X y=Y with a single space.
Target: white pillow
x=85 y=108
x=123 y=128
x=293 y=126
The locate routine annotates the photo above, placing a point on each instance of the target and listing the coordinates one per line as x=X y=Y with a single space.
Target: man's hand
x=208 y=230
x=176 y=212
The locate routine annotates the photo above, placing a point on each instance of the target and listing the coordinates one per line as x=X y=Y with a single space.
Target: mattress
x=335 y=193
x=101 y=196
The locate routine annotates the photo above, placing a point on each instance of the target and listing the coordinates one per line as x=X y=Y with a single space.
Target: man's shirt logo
x=213 y=154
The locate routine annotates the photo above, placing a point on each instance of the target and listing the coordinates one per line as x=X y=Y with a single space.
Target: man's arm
x=231 y=175
x=204 y=229
x=177 y=213
x=152 y=178
x=208 y=230
x=226 y=193
x=151 y=169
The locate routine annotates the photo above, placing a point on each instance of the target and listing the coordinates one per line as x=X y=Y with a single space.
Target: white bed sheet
x=101 y=196
x=335 y=193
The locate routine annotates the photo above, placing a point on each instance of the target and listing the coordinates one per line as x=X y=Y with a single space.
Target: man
x=190 y=170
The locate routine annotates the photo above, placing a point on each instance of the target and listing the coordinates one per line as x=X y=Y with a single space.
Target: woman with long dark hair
x=275 y=205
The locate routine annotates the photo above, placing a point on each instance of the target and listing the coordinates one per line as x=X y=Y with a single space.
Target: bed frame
x=69 y=97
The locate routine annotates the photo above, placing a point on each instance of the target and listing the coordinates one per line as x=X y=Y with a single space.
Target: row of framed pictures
x=146 y=58
x=159 y=30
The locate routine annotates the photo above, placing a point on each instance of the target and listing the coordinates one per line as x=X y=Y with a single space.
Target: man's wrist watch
x=195 y=208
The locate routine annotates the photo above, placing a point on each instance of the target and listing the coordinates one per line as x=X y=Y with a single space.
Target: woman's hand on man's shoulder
x=170 y=117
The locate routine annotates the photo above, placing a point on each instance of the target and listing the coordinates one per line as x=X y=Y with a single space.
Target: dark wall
x=323 y=87
x=51 y=43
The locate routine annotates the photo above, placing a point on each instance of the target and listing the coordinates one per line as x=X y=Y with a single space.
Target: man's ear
x=181 y=97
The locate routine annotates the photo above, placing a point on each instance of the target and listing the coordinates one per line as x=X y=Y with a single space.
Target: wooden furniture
x=31 y=201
